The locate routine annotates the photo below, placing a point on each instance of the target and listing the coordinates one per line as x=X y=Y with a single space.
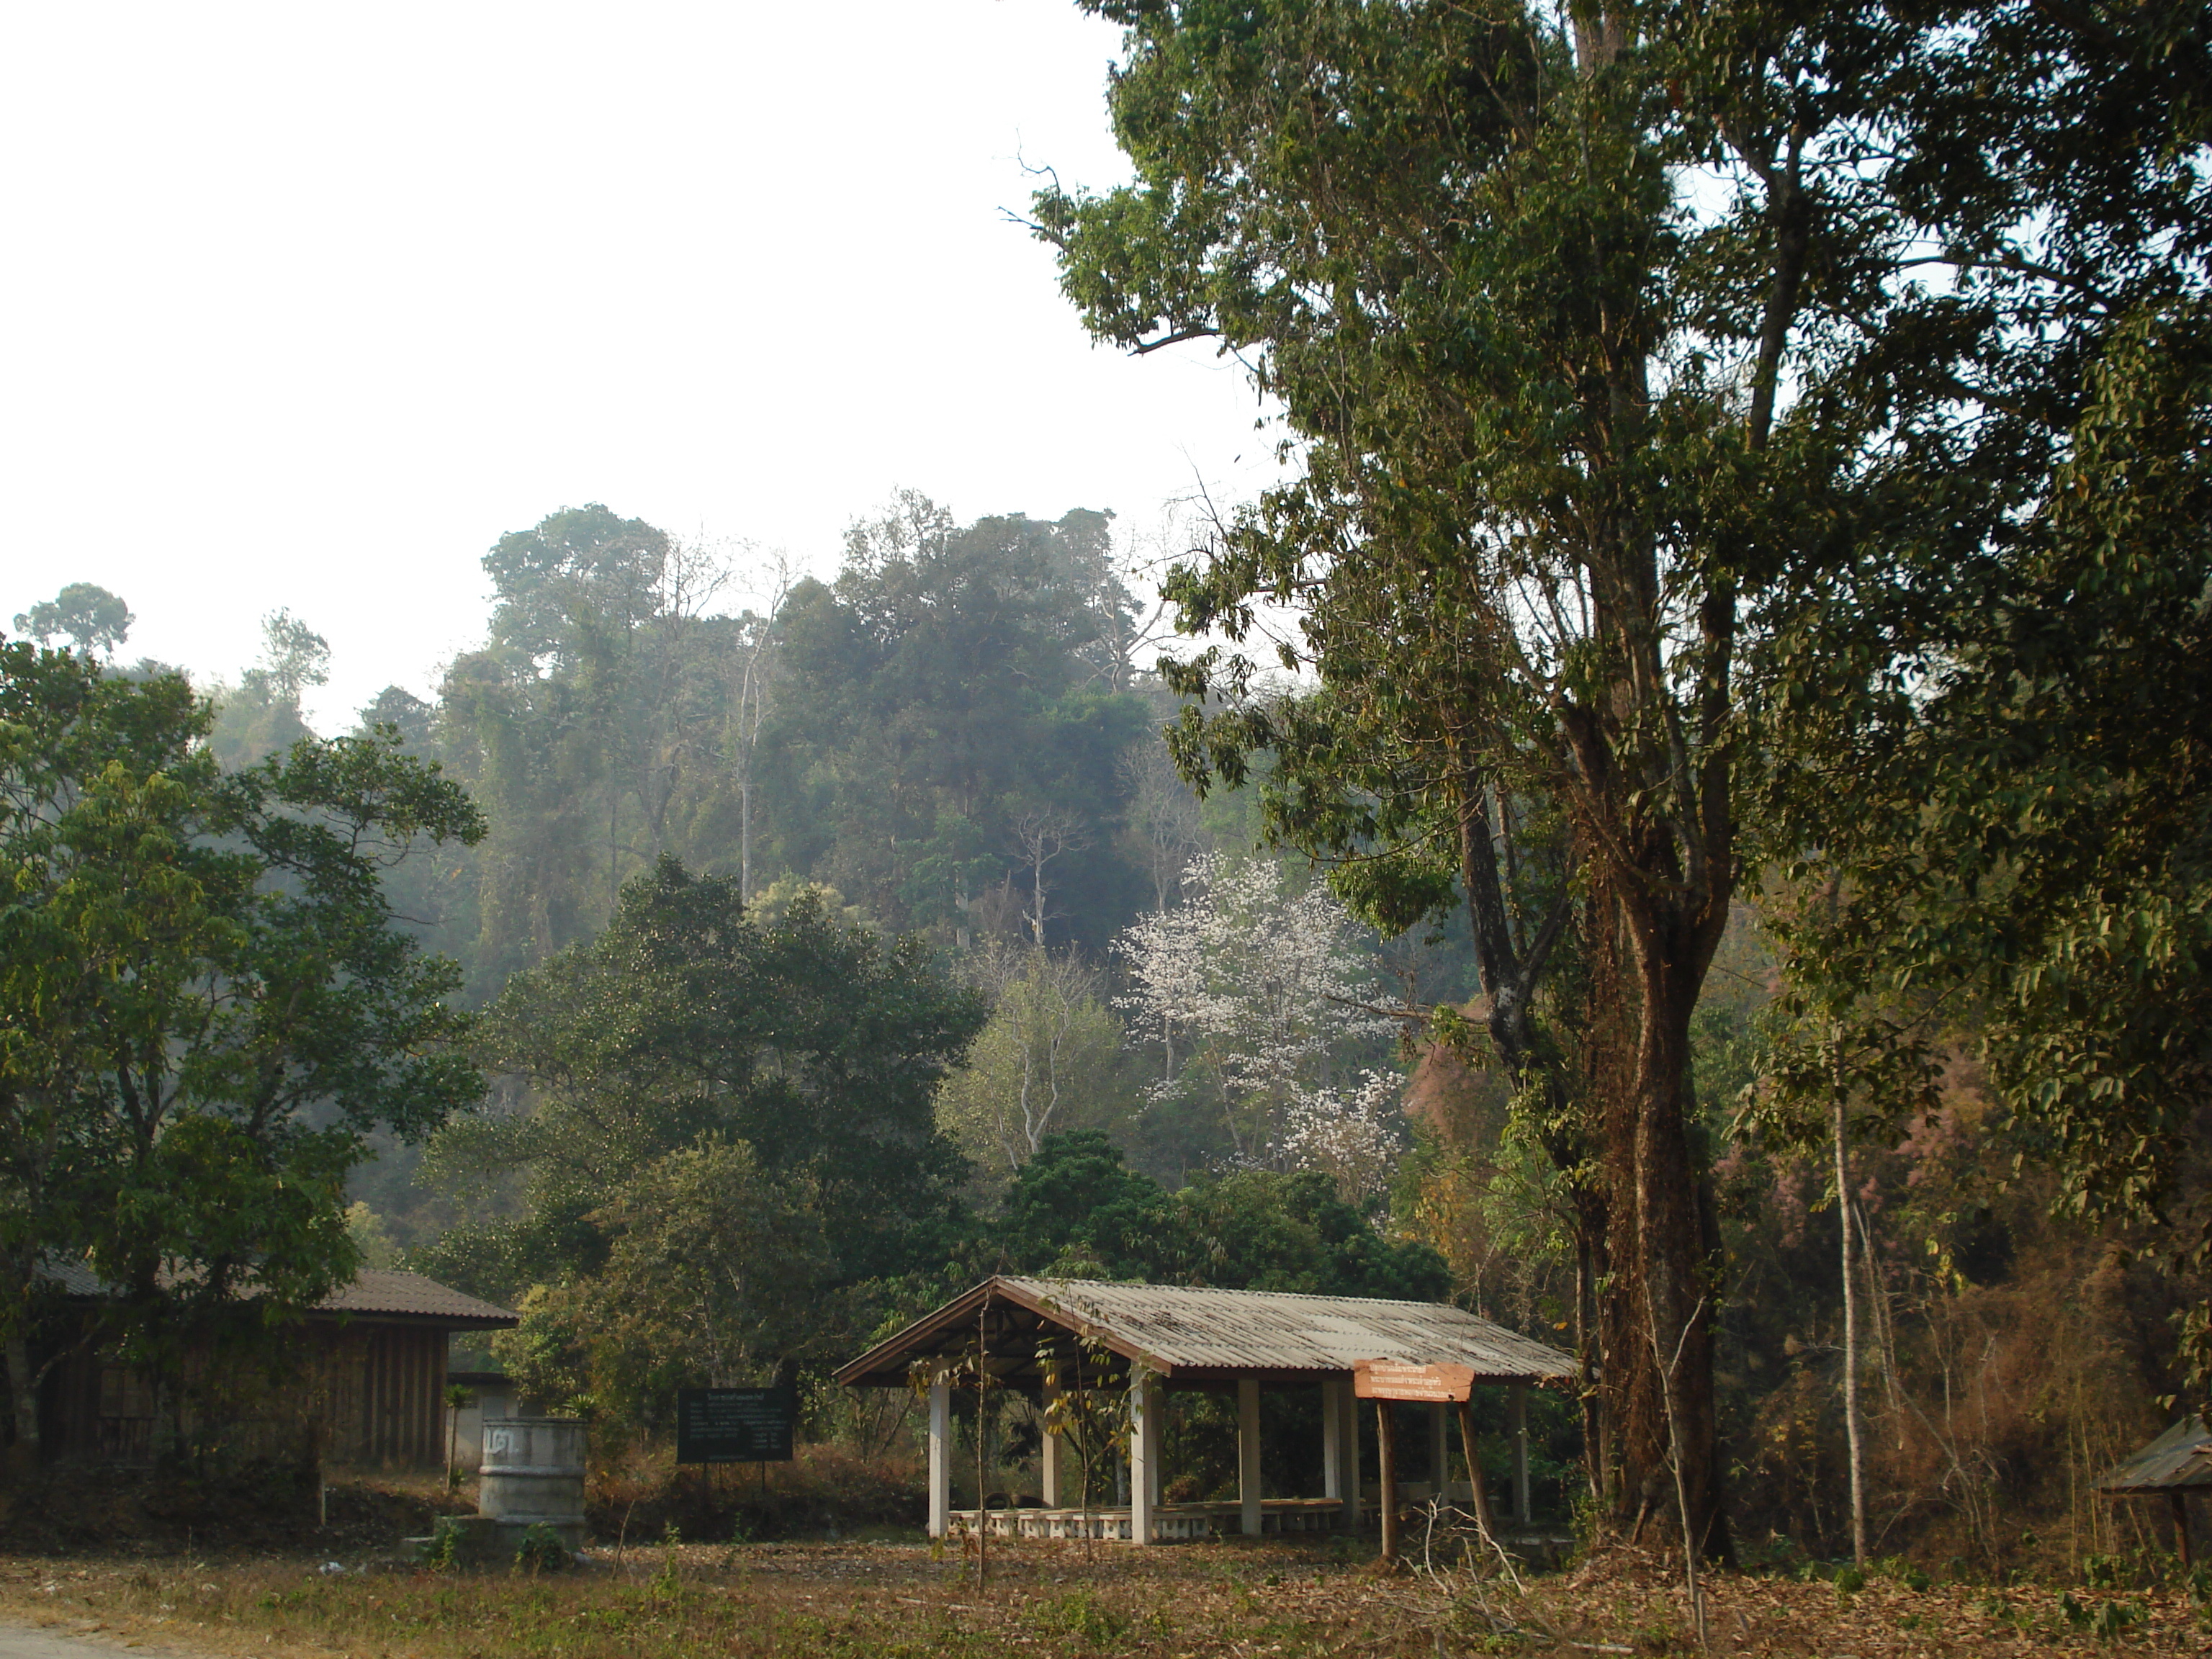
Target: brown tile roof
x=382 y=1290
x=375 y=1293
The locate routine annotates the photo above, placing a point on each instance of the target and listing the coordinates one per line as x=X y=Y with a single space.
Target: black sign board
x=734 y=1425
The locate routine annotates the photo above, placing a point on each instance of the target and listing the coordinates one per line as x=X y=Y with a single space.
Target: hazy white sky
x=305 y=304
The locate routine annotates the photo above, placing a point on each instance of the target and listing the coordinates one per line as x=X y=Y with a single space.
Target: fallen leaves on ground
x=1285 y=1597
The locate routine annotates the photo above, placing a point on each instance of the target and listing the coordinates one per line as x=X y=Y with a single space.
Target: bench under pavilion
x=1134 y=1342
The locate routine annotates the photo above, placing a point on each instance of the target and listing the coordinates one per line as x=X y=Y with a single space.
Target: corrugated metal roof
x=74 y=1276
x=2178 y=1460
x=373 y=1291
x=1181 y=1331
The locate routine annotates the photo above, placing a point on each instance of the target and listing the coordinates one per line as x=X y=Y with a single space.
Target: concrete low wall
x=1170 y=1522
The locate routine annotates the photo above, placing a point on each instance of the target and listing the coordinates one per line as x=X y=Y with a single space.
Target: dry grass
x=1275 y=1598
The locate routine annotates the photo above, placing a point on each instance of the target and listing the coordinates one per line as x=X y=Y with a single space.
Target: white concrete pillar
x=1332 y=1432
x=1524 y=1501
x=1351 y=1478
x=940 y=1458
x=1248 y=1455
x=1157 y=1399
x=1339 y=1412
x=1051 y=1455
x=1439 y=1473
x=1144 y=1453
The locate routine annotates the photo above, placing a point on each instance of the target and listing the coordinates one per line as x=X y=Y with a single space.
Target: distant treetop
x=87 y=616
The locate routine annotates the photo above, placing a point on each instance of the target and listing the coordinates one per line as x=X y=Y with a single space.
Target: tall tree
x=1569 y=427
x=208 y=1007
x=593 y=722
x=2022 y=861
x=1445 y=240
x=261 y=715
x=1046 y=1063
x=815 y=1042
x=946 y=690
x=87 y=615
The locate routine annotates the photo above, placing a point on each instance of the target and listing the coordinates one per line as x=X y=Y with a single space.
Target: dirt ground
x=1265 y=1597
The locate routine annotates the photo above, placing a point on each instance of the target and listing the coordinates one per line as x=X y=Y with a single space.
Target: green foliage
x=1076 y=1208
x=2044 y=865
x=441 y=1551
x=715 y=1275
x=541 y=1550
x=817 y=1043
x=208 y=1007
x=951 y=683
x=90 y=617
x=1050 y=1059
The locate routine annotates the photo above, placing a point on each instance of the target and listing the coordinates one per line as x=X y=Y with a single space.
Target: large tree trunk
x=1677 y=1265
x=1634 y=1473
x=23 y=1396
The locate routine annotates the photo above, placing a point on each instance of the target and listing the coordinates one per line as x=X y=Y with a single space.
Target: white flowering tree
x=1262 y=1001
x=1352 y=1135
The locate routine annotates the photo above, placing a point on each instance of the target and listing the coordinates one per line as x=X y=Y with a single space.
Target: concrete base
x=1170 y=1522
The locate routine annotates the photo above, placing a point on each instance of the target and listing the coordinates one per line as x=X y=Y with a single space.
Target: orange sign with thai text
x=1399 y=1379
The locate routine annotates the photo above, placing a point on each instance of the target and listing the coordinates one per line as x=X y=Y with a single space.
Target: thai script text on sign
x=1400 y=1379
x=734 y=1425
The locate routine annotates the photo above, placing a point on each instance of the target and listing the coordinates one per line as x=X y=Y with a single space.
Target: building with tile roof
x=361 y=1382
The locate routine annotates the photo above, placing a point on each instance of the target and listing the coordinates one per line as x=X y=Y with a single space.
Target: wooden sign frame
x=1400 y=1379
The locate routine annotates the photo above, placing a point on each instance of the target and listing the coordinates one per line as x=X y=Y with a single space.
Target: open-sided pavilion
x=1040 y=1336
x=2175 y=1465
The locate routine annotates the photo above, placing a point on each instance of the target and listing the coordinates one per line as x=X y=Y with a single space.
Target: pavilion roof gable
x=2180 y=1460
x=1188 y=1331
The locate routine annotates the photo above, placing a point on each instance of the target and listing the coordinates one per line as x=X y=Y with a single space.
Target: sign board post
x=1386 y=1381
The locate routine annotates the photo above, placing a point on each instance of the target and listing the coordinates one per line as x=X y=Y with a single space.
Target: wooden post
x=2181 y=1526
x=1524 y=1501
x=940 y=1458
x=1144 y=1453
x=1386 y=1455
x=1248 y=1455
x=1482 y=1516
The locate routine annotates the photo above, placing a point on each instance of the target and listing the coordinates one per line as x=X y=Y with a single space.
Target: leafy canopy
x=1076 y=1208
x=209 y=1003
x=814 y=1042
